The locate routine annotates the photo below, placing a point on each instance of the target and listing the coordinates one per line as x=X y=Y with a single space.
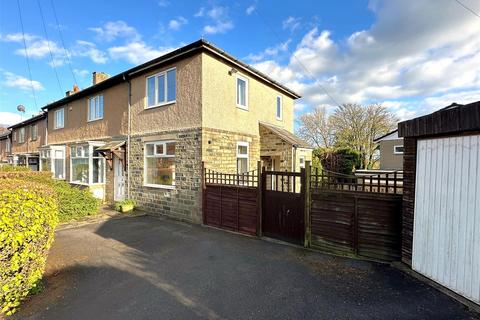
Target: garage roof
x=455 y=118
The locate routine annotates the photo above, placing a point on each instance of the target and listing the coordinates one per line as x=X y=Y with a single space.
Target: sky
x=412 y=56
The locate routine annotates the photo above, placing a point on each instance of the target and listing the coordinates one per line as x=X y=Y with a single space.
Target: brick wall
x=184 y=201
x=409 y=172
x=220 y=149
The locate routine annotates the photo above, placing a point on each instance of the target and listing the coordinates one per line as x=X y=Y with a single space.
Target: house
x=441 y=203
x=144 y=133
x=391 y=151
x=26 y=138
x=5 y=146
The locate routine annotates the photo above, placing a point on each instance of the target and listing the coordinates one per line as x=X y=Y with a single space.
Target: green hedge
x=28 y=216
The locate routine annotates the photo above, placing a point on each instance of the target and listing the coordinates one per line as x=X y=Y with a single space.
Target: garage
x=441 y=217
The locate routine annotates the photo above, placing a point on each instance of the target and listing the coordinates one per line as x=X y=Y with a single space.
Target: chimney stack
x=73 y=91
x=99 y=77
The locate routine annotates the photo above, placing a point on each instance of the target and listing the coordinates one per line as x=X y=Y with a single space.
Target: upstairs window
x=34 y=132
x=58 y=119
x=9 y=146
x=162 y=88
x=21 y=135
x=242 y=157
x=159 y=164
x=242 y=92
x=95 y=108
x=279 y=108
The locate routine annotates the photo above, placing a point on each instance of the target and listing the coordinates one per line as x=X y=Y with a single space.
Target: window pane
x=243 y=150
x=242 y=165
x=171 y=148
x=91 y=108
x=58 y=168
x=159 y=149
x=279 y=107
x=160 y=171
x=161 y=88
x=100 y=107
x=241 y=88
x=171 y=85
x=45 y=162
x=151 y=91
x=80 y=170
x=149 y=149
x=98 y=170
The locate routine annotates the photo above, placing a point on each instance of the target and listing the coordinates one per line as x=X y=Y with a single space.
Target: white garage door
x=446 y=240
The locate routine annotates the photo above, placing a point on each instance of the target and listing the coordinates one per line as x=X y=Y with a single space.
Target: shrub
x=125 y=205
x=73 y=202
x=28 y=216
x=341 y=160
x=10 y=168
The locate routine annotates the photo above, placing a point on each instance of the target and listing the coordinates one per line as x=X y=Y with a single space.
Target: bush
x=340 y=160
x=28 y=216
x=125 y=205
x=73 y=203
x=10 y=168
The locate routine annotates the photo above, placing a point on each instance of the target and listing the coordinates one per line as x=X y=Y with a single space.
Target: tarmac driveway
x=151 y=268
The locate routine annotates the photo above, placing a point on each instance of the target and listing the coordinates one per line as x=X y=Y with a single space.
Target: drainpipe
x=128 y=135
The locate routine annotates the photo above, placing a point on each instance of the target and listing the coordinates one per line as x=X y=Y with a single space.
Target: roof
x=112 y=145
x=286 y=135
x=386 y=135
x=181 y=53
x=28 y=121
x=455 y=118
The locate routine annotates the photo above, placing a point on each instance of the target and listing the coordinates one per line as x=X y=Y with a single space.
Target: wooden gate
x=231 y=201
x=283 y=205
x=359 y=216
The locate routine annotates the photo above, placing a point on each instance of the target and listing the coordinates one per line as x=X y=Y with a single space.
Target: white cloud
x=420 y=51
x=176 y=24
x=163 y=3
x=291 y=23
x=269 y=52
x=89 y=50
x=218 y=17
x=112 y=30
x=137 y=52
x=9 y=118
x=251 y=9
x=12 y=80
x=82 y=73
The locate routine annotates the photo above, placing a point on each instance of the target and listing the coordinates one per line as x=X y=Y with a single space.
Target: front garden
x=31 y=206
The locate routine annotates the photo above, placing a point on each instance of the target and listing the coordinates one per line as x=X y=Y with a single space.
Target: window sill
x=159 y=186
x=93 y=120
x=58 y=128
x=279 y=119
x=161 y=105
x=86 y=184
x=239 y=106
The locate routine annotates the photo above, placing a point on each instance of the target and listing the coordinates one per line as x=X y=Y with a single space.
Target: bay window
x=162 y=88
x=53 y=159
x=159 y=168
x=87 y=166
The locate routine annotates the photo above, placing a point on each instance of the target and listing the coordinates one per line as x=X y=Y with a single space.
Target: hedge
x=28 y=217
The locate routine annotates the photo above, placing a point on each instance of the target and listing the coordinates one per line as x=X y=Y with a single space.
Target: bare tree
x=316 y=128
x=356 y=126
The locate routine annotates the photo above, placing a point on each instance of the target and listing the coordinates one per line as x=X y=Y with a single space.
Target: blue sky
x=412 y=56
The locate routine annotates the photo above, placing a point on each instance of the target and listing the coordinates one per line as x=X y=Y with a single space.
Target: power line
x=69 y=62
x=49 y=49
x=26 y=55
x=467 y=8
x=298 y=61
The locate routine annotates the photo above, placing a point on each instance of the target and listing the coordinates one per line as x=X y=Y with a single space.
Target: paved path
x=150 y=268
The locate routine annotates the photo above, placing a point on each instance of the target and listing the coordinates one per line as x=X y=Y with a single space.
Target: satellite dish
x=20 y=108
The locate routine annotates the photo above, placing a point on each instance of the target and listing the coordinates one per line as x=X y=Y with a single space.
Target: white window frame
x=279 y=117
x=243 y=156
x=8 y=146
x=97 y=100
x=49 y=152
x=55 y=118
x=240 y=106
x=395 y=149
x=21 y=135
x=32 y=130
x=90 y=158
x=155 y=76
x=157 y=155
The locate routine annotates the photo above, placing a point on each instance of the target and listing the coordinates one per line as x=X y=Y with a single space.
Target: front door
x=118 y=179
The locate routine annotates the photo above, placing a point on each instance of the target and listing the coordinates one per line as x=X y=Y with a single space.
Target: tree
x=356 y=126
x=316 y=128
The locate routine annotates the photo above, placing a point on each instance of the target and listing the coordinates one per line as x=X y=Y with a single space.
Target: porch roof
x=286 y=135
x=109 y=146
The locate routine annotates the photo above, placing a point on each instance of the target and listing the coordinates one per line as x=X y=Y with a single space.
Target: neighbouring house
x=391 y=151
x=144 y=133
x=5 y=146
x=26 y=139
x=441 y=197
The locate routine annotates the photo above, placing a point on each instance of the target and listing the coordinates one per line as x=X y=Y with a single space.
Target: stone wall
x=271 y=145
x=184 y=201
x=219 y=150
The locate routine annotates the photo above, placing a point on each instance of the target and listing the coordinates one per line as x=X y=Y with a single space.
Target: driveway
x=151 y=268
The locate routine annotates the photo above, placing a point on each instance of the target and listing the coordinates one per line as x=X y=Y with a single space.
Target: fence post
x=259 y=198
x=202 y=184
x=307 y=204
